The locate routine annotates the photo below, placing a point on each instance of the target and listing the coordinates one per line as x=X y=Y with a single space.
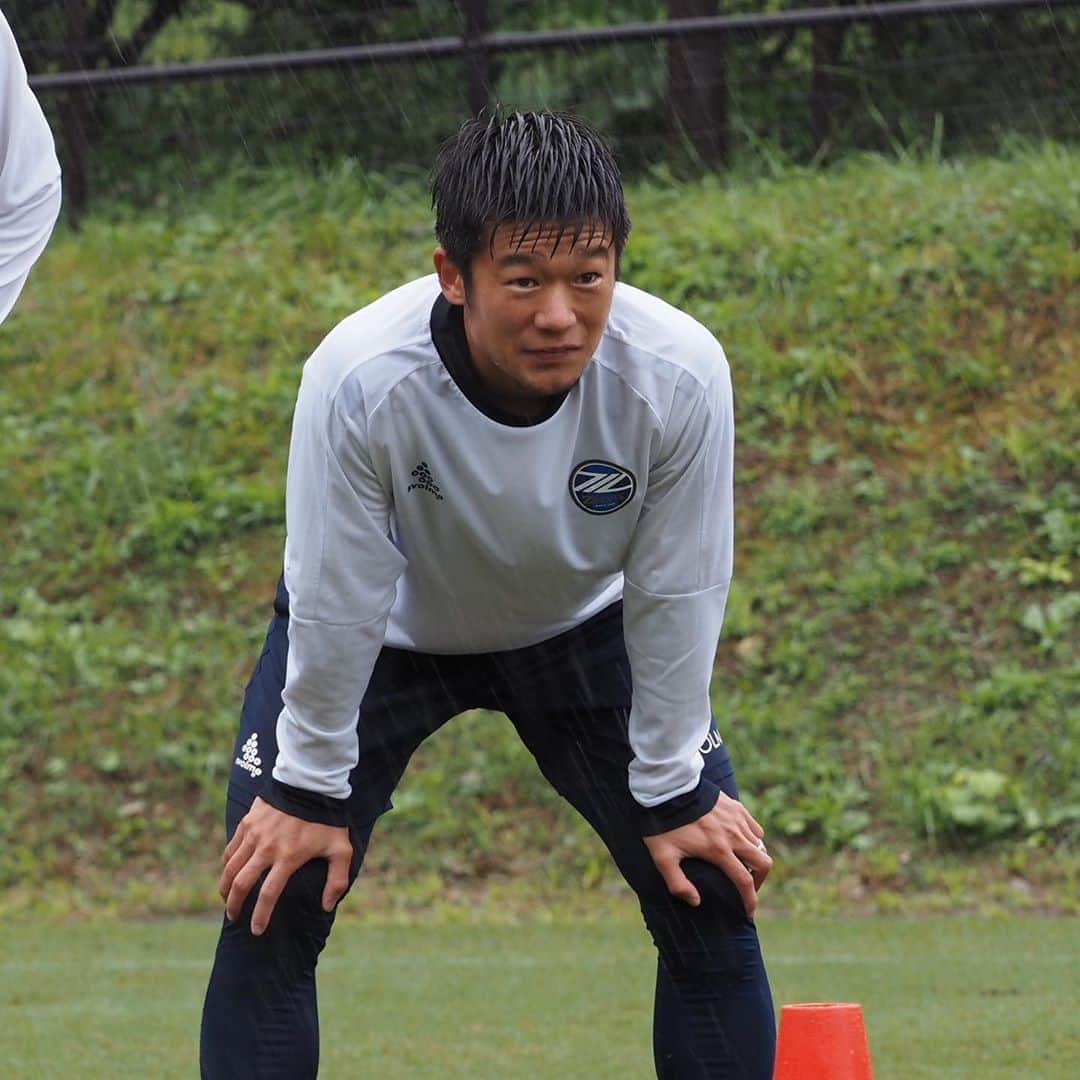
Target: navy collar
x=448 y=334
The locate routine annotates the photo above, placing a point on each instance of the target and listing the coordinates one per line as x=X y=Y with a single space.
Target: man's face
x=534 y=310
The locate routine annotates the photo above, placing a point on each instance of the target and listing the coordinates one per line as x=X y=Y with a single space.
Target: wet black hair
x=524 y=169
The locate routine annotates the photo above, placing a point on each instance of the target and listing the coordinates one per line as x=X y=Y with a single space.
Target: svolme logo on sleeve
x=599 y=487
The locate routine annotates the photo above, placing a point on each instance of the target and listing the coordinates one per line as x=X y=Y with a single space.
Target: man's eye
x=523 y=282
x=590 y=277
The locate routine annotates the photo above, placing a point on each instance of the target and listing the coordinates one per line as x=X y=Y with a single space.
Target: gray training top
x=416 y=520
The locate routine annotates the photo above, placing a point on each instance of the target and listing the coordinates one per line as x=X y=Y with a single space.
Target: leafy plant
x=974 y=806
x=1051 y=622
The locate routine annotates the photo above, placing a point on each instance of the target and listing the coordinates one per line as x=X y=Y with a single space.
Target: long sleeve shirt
x=416 y=519
x=29 y=175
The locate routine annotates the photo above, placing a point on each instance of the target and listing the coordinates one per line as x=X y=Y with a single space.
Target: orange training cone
x=822 y=1042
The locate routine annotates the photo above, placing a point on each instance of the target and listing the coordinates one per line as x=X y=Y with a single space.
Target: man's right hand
x=279 y=844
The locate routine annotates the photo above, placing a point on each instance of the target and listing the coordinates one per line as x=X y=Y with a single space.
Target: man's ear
x=450 y=280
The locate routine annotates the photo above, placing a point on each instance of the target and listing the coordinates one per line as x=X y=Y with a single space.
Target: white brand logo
x=712 y=741
x=249 y=759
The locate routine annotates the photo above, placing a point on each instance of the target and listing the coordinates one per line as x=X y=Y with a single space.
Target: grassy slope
x=956 y=998
x=896 y=681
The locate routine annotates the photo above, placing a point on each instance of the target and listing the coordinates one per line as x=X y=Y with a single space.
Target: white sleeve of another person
x=29 y=175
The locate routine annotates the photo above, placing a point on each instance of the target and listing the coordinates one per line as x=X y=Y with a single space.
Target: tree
x=83 y=34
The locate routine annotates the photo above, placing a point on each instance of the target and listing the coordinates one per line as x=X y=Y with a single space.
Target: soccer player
x=29 y=175
x=509 y=487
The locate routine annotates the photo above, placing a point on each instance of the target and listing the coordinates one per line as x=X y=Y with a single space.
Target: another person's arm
x=340 y=570
x=677 y=574
x=29 y=175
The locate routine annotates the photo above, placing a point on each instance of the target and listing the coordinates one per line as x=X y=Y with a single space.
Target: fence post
x=828 y=45
x=73 y=116
x=477 y=59
x=697 y=86
x=74 y=120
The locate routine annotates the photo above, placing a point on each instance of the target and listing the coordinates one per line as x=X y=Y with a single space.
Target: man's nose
x=555 y=314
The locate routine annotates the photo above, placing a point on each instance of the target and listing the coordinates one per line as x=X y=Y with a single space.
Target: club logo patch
x=599 y=487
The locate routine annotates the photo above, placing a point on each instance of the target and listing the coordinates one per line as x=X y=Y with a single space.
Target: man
x=29 y=175
x=509 y=487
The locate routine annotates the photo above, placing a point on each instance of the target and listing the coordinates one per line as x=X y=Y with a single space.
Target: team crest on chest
x=599 y=487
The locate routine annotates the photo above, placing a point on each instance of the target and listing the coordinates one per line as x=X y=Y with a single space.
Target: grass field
x=943 y=997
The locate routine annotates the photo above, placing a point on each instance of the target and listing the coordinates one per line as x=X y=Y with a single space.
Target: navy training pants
x=569 y=700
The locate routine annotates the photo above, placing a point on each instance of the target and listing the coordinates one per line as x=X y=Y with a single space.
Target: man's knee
x=298 y=924
x=299 y=907
x=716 y=938
x=715 y=888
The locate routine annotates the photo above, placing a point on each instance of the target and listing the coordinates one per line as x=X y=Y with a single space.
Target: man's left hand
x=729 y=838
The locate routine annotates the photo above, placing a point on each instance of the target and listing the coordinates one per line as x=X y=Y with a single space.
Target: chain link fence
x=705 y=90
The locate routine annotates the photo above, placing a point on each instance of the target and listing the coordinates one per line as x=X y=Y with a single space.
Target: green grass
x=942 y=998
x=897 y=681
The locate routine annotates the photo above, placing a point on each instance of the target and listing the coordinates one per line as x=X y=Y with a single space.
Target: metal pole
x=477 y=58
x=74 y=119
x=828 y=44
x=697 y=88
